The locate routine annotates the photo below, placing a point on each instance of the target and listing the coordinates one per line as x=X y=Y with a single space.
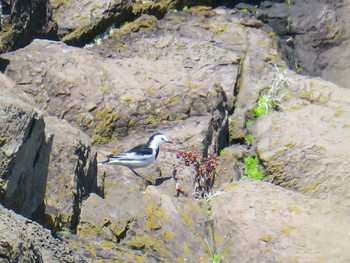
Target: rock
x=259 y=222
x=154 y=222
x=116 y=106
x=303 y=147
x=315 y=36
x=23 y=240
x=71 y=174
x=22 y=21
x=80 y=21
x=25 y=150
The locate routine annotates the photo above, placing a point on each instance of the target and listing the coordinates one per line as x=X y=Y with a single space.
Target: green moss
x=104 y=89
x=252 y=170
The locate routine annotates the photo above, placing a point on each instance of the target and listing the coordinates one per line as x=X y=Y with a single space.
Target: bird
x=140 y=156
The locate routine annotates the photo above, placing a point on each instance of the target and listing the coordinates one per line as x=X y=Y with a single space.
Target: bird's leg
x=139 y=175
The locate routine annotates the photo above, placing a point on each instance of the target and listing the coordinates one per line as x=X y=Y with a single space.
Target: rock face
x=196 y=75
x=23 y=240
x=25 y=150
x=117 y=106
x=22 y=21
x=259 y=222
x=307 y=152
x=316 y=33
x=71 y=173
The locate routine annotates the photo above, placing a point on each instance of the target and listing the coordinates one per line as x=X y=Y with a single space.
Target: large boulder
x=260 y=222
x=110 y=97
x=23 y=240
x=24 y=154
x=71 y=176
x=304 y=148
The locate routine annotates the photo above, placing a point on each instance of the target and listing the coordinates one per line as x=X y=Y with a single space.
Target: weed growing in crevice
x=252 y=170
x=272 y=98
x=204 y=173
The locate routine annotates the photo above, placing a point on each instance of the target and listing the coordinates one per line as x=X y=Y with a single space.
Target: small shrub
x=252 y=170
x=204 y=173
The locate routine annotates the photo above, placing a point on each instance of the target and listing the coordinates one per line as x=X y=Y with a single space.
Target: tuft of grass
x=252 y=170
x=273 y=97
x=249 y=139
x=263 y=106
x=216 y=258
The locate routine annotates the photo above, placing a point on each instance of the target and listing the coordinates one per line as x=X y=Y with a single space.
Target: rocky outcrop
x=125 y=97
x=71 y=174
x=306 y=153
x=260 y=222
x=25 y=151
x=22 y=21
x=196 y=75
x=80 y=22
x=23 y=240
x=315 y=34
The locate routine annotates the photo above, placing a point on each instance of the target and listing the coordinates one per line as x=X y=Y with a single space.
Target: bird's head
x=157 y=140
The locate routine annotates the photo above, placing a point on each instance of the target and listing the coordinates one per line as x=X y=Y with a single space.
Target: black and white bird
x=139 y=156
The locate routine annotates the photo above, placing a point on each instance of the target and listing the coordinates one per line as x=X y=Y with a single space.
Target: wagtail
x=139 y=156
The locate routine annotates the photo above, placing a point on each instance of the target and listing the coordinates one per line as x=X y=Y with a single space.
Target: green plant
x=273 y=97
x=216 y=258
x=252 y=170
x=263 y=106
x=249 y=139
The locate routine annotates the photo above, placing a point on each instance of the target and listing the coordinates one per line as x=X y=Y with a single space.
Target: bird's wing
x=137 y=153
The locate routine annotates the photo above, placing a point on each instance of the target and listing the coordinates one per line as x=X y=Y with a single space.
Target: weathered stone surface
x=121 y=95
x=25 y=150
x=316 y=36
x=304 y=148
x=71 y=173
x=79 y=22
x=23 y=240
x=260 y=222
x=22 y=21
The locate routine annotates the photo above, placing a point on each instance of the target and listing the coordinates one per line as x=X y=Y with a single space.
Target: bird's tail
x=103 y=163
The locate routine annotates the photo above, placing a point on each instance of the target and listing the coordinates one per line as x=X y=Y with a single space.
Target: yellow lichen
x=267 y=238
x=187 y=251
x=287 y=229
x=168 y=236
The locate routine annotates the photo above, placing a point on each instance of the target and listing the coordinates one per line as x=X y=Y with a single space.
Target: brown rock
x=260 y=222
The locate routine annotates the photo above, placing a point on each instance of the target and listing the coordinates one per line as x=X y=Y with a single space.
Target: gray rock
x=25 y=150
x=303 y=148
x=125 y=97
x=23 y=240
x=260 y=222
x=24 y=21
x=71 y=173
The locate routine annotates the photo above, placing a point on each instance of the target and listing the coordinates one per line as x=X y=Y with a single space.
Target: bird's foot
x=147 y=182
